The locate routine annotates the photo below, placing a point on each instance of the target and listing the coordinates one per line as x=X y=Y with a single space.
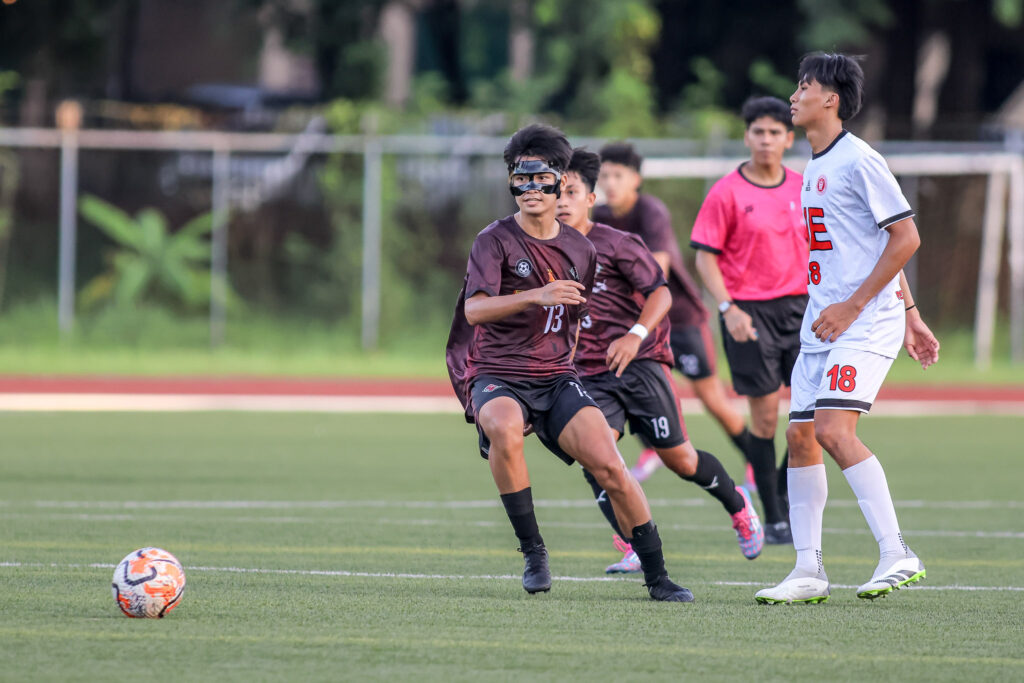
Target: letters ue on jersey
x=539 y=341
x=848 y=198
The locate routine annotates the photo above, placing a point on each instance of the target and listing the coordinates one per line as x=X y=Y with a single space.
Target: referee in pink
x=752 y=255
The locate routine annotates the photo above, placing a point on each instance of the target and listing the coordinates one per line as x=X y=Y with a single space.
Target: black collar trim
x=831 y=145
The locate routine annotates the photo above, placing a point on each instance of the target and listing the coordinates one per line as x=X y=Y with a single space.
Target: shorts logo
x=491 y=387
x=689 y=363
x=821 y=185
x=523 y=267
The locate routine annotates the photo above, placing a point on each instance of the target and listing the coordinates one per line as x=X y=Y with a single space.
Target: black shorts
x=644 y=396
x=547 y=403
x=761 y=366
x=693 y=350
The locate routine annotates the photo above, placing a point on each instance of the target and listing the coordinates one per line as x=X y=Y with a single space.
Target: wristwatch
x=724 y=306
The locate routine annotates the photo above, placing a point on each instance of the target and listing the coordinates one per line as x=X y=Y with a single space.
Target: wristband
x=639 y=330
x=911 y=306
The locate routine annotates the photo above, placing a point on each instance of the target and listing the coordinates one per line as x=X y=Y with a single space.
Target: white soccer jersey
x=849 y=196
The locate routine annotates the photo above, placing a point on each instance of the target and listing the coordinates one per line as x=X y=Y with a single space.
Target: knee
x=611 y=476
x=800 y=438
x=505 y=432
x=829 y=435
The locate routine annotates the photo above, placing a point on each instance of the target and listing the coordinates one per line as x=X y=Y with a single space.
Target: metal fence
x=666 y=159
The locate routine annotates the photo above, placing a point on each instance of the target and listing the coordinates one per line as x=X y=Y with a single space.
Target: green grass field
x=334 y=547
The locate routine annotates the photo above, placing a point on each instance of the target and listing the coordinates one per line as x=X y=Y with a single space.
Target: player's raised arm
x=483 y=308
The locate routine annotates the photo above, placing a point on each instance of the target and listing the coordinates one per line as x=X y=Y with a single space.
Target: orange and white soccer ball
x=148 y=583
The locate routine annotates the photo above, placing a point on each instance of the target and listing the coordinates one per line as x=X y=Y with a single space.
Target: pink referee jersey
x=757 y=233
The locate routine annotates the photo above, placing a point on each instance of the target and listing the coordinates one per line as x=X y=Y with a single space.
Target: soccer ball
x=148 y=583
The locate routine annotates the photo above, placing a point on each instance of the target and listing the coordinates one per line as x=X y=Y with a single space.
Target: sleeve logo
x=523 y=267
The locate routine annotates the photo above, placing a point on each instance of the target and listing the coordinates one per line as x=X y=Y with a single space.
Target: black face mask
x=531 y=169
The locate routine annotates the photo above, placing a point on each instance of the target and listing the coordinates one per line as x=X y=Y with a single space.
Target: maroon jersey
x=650 y=219
x=626 y=274
x=536 y=342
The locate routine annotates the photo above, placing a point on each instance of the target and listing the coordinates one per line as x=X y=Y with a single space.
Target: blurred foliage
x=9 y=177
x=150 y=263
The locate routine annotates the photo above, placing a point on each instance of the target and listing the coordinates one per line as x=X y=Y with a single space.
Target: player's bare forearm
x=903 y=242
x=739 y=324
x=837 y=318
x=918 y=340
x=655 y=308
x=482 y=308
x=623 y=350
x=711 y=275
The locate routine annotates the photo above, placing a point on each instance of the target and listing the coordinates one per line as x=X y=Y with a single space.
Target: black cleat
x=536 y=574
x=778 y=534
x=665 y=590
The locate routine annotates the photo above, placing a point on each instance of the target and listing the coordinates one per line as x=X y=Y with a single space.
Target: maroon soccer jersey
x=626 y=274
x=650 y=219
x=536 y=342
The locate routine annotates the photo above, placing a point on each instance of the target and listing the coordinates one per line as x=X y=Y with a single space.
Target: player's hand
x=834 y=320
x=621 y=352
x=561 y=292
x=920 y=343
x=739 y=324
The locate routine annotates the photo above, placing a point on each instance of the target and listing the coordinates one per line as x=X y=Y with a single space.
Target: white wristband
x=639 y=330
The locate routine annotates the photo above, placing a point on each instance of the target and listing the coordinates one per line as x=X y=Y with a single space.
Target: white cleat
x=807 y=590
x=892 y=574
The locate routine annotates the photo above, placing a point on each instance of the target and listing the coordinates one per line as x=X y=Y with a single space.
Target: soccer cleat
x=646 y=465
x=536 y=574
x=892 y=574
x=778 y=534
x=748 y=479
x=666 y=590
x=808 y=590
x=629 y=564
x=747 y=524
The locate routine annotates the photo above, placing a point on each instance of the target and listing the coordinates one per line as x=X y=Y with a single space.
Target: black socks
x=712 y=477
x=647 y=546
x=762 y=458
x=602 y=502
x=519 y=508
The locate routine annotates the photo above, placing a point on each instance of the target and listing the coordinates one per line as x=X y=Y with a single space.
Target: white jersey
x=849 y=196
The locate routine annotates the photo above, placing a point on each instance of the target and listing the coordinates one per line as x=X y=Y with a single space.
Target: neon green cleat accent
x=903 y=572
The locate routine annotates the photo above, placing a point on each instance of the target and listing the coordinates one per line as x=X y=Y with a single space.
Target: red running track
x=295 y=386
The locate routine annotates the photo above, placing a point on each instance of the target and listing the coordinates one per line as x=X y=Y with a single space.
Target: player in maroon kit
x=631 y=210
x=624 y=359
x=510 y=355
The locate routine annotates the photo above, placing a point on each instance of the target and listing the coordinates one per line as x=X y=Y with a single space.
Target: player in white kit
x=861 y=233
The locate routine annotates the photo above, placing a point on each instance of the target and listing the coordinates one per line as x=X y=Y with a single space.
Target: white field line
x=454 y=577
x=87 y=517
x=39 y=402
x=452 y=504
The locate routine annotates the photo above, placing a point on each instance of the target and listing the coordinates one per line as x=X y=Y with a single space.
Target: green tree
x=150 y=262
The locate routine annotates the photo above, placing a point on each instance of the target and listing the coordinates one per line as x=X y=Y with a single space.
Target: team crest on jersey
x=523 y=267
x=821 y=184
x=491 y=387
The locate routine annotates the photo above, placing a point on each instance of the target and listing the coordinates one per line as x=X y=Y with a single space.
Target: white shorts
x=840 y=379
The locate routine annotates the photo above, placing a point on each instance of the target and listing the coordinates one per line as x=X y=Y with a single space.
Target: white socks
x=867 y=479
x=808 y=490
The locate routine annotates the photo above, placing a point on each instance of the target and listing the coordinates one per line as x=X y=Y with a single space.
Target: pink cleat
x=646 y=465
x=629 y=564
x=747 y=524
x=748 y=479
